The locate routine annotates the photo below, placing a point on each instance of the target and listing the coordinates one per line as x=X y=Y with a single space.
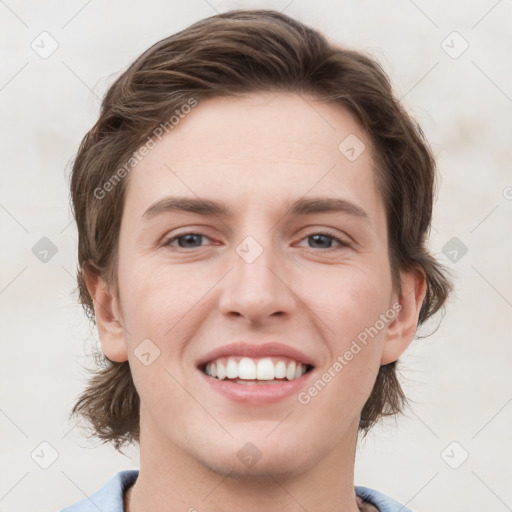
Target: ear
x=108 y=318
x=400 y=332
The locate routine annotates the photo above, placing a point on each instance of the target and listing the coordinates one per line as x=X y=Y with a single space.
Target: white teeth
x=265 y=369
x=231 y=369
x=248 y=369
x=221 y=371
x=290 y=371
x=280 y=370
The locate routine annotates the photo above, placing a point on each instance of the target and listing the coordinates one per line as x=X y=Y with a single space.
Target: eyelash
x=342 y=243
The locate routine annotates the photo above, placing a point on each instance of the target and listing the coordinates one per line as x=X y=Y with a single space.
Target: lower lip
x=257 y=393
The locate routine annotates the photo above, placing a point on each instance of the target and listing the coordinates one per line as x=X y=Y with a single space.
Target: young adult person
x=253 y=206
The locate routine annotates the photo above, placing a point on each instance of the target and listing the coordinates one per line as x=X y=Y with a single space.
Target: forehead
x=253 y=149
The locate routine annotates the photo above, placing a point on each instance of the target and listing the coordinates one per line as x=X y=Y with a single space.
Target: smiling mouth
x=254 y=371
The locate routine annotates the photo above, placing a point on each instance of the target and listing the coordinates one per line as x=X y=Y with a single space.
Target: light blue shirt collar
x=110 y=497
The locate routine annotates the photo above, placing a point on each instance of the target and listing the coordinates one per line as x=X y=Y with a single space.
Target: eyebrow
x=209 y=207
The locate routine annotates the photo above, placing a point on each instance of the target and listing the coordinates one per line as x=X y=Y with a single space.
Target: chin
x=275 y=466
x=258 y=460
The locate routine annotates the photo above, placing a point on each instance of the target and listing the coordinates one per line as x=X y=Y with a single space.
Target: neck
x=171 y=479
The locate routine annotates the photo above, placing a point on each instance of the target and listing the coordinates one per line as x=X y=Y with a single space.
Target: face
x=282 y=280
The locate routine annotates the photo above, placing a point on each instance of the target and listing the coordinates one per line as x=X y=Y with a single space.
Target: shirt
x=109 y=498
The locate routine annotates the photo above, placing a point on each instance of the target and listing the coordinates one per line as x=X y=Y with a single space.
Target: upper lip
x=254 y=350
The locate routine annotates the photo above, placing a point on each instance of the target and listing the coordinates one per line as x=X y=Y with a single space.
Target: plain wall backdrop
x=449 y=62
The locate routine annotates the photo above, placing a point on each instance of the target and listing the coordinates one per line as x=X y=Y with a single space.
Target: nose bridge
x=256 y=253
x=256 y=289
x=255 y=258
x=254 y=261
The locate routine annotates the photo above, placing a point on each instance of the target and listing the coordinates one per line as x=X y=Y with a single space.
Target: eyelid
x=168 y=239
x=344 y=240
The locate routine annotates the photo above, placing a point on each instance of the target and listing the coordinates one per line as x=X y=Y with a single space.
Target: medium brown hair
x=236 y=53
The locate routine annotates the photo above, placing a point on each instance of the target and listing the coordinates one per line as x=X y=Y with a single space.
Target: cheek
x=156 y=298
x=159 y=307
x=163 y=309
x=350 y=307
x=351 y=300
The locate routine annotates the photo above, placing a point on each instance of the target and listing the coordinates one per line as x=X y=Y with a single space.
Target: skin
x=255 y=153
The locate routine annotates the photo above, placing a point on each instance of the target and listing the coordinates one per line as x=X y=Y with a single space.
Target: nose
x=257 y=290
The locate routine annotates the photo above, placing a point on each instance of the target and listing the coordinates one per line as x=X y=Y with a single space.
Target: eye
x=324 y=241
x=186 y=240
x=193 y=240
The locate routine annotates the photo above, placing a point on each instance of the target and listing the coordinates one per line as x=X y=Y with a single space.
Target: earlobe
x=108 y=318
x=400 y=332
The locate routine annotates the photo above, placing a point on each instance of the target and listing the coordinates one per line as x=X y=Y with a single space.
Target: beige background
x=459 y=378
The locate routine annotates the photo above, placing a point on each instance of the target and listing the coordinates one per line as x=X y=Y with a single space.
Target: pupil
x=188 y=238
x=316 y=238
